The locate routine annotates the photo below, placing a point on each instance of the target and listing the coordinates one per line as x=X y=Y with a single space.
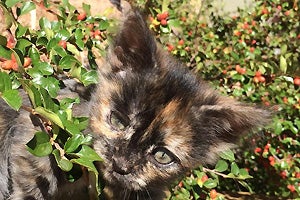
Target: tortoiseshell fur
x=146 y=110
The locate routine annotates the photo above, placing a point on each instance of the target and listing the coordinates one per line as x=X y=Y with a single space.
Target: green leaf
x=63 y=34
x=5 y=82
x=33 y=94
x=5 y=52
x=221 y=166
x=73 y=143
x=22 y=44
x=40 y=144
x=86 y=163
x=42 y=41
x=12 y=98
x=89 y=77
x=103 y=25
x=21 y=30
x=11 y=3
x=62 y=162
x=68 y=62
x=34 y=55
x=234 y=169
x=44 y=67
x=88 y=153
x=210 y=183
x=27 y=7
x=50 y=84
x=227 y=155
x=79 y=38
x=283 y=64
x=49 y=115
x=71 y=127
x=3 y=40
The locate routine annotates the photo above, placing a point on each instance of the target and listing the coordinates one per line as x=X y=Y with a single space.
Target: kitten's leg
x=32 y=177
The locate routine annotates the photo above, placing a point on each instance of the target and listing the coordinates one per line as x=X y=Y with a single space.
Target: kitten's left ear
x=134 y=46
x=229 y=119
x=226 y=122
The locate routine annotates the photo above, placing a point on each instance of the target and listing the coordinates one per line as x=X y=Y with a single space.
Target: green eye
x=118 y=121
x=163 y=156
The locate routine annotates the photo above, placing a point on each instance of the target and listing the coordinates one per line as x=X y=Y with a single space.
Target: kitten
x=152 y=120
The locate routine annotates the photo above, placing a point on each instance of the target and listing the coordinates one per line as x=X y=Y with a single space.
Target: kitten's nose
x=121 y=166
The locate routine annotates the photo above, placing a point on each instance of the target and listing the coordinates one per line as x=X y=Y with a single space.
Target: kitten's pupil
x=163 y=156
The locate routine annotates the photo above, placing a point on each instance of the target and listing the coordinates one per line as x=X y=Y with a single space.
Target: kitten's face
x=152 y=119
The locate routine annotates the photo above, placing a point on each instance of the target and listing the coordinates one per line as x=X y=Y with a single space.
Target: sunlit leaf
x=40 y=144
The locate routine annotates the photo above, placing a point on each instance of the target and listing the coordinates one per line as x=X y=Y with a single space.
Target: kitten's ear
x=134 y=46
x=227 y=121
x=230 y=118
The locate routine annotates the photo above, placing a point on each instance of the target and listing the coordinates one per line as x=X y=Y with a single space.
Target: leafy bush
x=38 y=61
x=253 y=56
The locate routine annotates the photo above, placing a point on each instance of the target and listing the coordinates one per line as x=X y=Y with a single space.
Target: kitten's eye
x=118 y=121
x=163 y=156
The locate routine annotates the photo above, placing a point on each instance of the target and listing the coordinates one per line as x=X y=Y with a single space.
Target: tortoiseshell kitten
x=152 y=120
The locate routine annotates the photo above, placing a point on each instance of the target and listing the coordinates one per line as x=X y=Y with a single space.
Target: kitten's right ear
x=134 y=46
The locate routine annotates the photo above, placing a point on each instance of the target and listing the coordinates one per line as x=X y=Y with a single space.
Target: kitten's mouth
x=126 y=181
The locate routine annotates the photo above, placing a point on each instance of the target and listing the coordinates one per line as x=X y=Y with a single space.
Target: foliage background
x=252 y=56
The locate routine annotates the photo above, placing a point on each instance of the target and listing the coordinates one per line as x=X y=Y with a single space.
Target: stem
x=220 y=174
x=61 y=150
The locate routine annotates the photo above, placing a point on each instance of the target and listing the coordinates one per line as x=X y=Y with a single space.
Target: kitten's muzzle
x=121 y=166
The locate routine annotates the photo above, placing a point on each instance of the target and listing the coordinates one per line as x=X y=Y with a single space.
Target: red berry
x=246 y=25
x=264 y=11
x=262 y=79
x=297 y=81
x=287 y=13
x=63 y=44
x=27 y=62
x=162 y=16
x=159 y=17
x=81 y=16
x=237 y=33
x=297 y=175
x=163 y=22
x=279 y=7
x=285 y=100
x=181 y=42
x=240 y=70
x=170 y=47
x=271 y=158
x=6 y=65
x=204 y=178
x=255 y=79
x=257 y=73
x=257 y=150
x=90 y=26
x=213 y=194
x=252 y=49
x=165 y=15
x=291 y=188
x=283 y=174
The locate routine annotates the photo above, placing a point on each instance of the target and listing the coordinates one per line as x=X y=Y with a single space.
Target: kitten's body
x=152 y=120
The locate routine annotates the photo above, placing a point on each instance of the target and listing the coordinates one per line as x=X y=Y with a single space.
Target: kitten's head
x=153 y=119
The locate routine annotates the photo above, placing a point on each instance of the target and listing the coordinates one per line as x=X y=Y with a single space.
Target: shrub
x=253 y=56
